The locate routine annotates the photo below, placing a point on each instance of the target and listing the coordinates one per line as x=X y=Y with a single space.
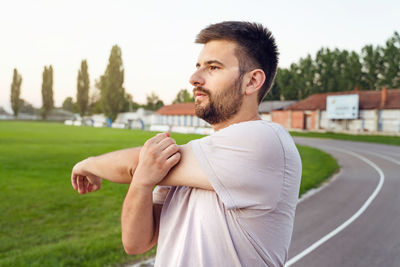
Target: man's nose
x=196 y=79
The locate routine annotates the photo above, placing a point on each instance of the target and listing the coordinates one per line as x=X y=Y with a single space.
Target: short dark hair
x=256 y=47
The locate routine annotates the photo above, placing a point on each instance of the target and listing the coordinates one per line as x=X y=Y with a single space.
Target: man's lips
x=199 y=95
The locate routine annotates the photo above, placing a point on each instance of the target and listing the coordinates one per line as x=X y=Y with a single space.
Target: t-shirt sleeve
x=160 y=193
x=244 y=163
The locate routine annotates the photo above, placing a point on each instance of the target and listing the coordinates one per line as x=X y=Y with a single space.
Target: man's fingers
x=169 y=151
x=73 y=181
x=96 y=187
x=165 y=143
x=81 y=185
x=90 y=187
x=79 y=182
x=159 y=137
x=85 y=185
x=173 y=160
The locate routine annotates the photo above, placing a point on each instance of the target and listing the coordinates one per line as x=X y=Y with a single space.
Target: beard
x=221 y=106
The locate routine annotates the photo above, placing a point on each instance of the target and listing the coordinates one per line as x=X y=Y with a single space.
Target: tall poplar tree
x=82 y=93
x=111 y=85
x=16 y=92
x=47 y=91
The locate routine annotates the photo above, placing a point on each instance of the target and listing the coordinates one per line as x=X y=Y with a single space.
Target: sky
x=157 y=38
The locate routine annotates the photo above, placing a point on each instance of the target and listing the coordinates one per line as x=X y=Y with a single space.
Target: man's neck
x=236 y=119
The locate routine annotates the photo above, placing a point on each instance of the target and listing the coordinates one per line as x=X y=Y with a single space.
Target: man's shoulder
x=251 y=127
x=250 y=137
x=256 y=131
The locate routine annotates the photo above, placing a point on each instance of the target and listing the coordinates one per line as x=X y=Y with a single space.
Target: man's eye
x=214 y=68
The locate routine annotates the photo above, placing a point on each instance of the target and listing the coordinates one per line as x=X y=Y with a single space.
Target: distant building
x=179 y=117
x=56 y=114
x=134 y=120
x=59 y=114
x=376 y=111
x=175 y=118
x=4 y=115
x=266 y=107
x=180 y=114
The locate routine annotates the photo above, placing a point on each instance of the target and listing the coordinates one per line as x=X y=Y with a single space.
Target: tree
x=183 y=96
x=340 y=70
x=353 y=71
x=284 y=80
x=69 y=104
x=16 y=92
x=325 y=64
x=304 y=75
x=47 y=91
x=372 y=66
x=391 y=59
x=111 y=85
x=95 y=106
x=274 y=93
x=153 y=102
x=129 y=104
x=82 y=93
x=26 y=107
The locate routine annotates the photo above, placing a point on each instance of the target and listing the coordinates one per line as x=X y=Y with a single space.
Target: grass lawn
x=46 y=223
x=317 y=167
x=382 y=139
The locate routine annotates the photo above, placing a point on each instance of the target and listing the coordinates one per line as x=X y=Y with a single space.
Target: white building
x=140 y=119
x=181 y=118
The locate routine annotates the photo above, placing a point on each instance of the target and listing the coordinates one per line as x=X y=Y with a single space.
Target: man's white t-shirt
x=255 y=170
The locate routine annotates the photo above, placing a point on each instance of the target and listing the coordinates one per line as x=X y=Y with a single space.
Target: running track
x=354 y=220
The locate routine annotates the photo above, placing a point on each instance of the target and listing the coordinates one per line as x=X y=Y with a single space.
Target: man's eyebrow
x=214 y=62
x=211 y=62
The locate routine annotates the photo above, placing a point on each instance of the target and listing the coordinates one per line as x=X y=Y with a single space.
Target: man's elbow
x=134 y=249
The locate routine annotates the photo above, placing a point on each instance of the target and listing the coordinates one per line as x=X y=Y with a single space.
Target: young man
x=227 y=199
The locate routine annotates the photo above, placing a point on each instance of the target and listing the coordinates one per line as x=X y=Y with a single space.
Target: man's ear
x=254 y=81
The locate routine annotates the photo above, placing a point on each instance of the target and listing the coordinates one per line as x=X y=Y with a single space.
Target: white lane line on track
x=381 y=156
x=352 y=218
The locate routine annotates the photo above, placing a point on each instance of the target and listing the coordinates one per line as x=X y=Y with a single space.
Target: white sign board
x=342 y=107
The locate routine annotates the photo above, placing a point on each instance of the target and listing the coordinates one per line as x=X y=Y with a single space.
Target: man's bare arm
x=140 y=218
x=119 y=167
x=140 y=221
x=187 y=172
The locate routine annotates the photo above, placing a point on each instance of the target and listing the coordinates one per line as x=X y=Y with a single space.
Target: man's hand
x=158 y=155
x=82 y=180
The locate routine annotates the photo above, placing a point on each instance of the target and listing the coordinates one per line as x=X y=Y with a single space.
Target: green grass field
x=382 y=139
x=46 y=223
